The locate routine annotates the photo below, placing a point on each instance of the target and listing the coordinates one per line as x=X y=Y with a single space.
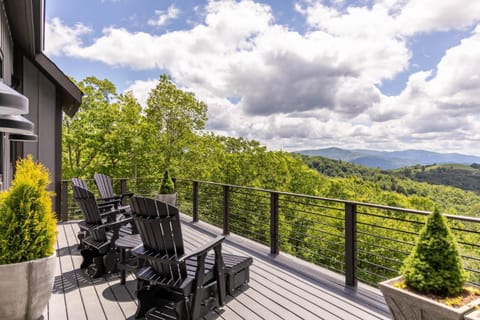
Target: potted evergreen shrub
x=27 y=239
x=167 y=192
x=431 y=285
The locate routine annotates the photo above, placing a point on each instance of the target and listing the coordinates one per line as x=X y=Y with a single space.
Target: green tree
x=123 y=150
x=174 y=118
x=105 y=135
x=83 y=135
x=167 y=185
x=435 y=265
x=26 y=219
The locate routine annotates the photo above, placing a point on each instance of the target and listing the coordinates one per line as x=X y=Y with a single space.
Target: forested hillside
x=389 y=160
x=112 y=134
x=456 y=175
x=424 y=181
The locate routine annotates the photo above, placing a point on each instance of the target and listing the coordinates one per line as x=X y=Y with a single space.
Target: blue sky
x=379 y=74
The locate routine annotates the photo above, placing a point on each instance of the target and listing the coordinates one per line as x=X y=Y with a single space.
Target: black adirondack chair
x=105 y=189
x=104 y=204
x=174 y=284
x=101 y=230
x=79 y=183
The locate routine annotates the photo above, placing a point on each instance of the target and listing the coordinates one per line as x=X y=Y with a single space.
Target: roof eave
x=71 y=95
x=22 y=22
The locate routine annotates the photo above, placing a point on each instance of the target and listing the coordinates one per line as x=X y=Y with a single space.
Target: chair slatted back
x=79 y=183
x=104 y=185
x=89 y=208
x=176 y=227
x=160 y=230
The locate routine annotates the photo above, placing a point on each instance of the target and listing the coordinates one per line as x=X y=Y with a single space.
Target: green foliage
x=26 y=218
x=173 y=118
x=106 y=135
x=435 y=266
x=395 y=188
x=167 y=186
x=455 y=175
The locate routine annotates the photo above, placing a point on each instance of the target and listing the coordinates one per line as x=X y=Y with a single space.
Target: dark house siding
x=6 y=46
x=41 y=93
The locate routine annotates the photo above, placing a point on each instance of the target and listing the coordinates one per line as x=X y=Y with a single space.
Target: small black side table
x=125 y=244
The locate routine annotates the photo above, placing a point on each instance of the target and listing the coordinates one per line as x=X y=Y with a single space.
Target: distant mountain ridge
x=391 y=159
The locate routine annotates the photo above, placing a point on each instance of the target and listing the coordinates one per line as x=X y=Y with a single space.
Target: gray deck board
x=278 y=288
x=71 y=285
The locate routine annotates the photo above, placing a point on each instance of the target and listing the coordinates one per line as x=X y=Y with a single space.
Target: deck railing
x=363 y=241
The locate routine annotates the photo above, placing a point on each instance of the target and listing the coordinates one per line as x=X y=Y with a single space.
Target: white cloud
x=457 y=83
x=162 y=17
x=59 y=37
x=441 y=106
x=366 y=38
x=318 y=88
x=437 y=15
x=119 y=47
x=141 y=89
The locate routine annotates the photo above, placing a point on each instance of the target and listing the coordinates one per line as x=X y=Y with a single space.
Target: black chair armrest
x=203 y=249
x=108 y=202
x=107 y=214
x=111 y=200
x=111 y=215
x=114 y=225
x=84 y=226
x=126 y=195
x=107 y=206
x=136 y=248
x=120 y=222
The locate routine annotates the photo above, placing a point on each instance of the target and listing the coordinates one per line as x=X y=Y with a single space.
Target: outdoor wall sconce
x=12 y=102
x=15 y=124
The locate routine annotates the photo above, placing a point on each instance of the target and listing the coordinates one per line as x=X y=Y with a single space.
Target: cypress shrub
x=435 y=266
x=167 y=185
x=27 y=223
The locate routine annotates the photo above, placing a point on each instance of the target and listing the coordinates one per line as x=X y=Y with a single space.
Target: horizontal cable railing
x=363 y=241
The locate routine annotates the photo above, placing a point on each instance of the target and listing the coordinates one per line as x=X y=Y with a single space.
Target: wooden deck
x=281 y=287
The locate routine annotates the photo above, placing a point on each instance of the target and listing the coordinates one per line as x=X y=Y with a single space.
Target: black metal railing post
x=123 y=186
x=350 y=244
x=64 y=201
x=274 y=241
x=195 y=201
x=226 y=213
